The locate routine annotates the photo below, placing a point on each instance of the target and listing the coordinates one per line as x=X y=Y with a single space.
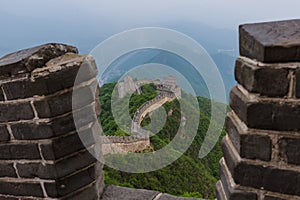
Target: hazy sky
x=217 y=13
x=29 y=22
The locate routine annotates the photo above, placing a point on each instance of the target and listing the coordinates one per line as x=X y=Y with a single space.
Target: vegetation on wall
x=188 y=176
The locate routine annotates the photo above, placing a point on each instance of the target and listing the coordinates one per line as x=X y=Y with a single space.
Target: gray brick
x=19 y=151
x=62 y=103
x=248 y=144
x=72 y=183
x=44 y=130
x=44 y=85
x=28 y=59
x=271 y=41
x=36 y=170
x=54 y=106
x=230 y=192
x=31 y=131
x=7 y=170
x=21 y=189
x=267 y=81
x=290 y=150
x=15 y=111
x=64 y=146
x=58 y=170
x=265 y=114
x=261 y=176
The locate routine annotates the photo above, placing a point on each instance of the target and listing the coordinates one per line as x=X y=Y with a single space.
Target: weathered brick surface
x=21 y=189
x=7 y=170
x=48 y=82
x=260 y=176
x=24 y=88
x=90 y=193
x=63 y=146
x=265 y=114
x=271 y=41
x=28 y=59
x=62 y=103
x=4 y=135
x=43 y=130
x=31 y=131
x=231 y=192
x=54 y=106
x=74 y=163
x=71 y=183
x=268 y=81
x=256 y=147
x=248 y=143
x=19 y=151
x=15 y=111
x=58 y=170
x=289 y=149
x=45 y=150
x=36 y=170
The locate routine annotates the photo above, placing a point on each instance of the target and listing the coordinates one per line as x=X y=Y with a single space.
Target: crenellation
x=265 y=103
x=29 y=59
x=44 y=153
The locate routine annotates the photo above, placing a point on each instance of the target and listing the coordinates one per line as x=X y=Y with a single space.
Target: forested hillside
x=187 y=176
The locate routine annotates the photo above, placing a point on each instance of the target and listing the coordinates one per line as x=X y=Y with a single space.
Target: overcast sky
x=27 y=22
x=217 y=13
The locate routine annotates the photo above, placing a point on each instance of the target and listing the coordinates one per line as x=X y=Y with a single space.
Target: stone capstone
x=29 y=59
x=271 y=42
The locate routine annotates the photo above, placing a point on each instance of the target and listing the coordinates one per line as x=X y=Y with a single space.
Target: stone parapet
x=261 y=150
x=42 y=155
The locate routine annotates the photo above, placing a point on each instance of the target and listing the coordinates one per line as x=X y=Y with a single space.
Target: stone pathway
x=121 y=193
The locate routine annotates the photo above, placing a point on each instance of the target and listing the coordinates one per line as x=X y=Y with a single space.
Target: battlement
x=261 y=149
x=39 y=143
x=167 y=86
x=122 y=139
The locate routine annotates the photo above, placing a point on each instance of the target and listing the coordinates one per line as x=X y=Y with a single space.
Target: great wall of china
x=167 y=91
x=43 y=157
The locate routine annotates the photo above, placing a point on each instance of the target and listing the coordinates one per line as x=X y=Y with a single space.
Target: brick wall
x=262 y=148
x=42 y=155
x=124 y=144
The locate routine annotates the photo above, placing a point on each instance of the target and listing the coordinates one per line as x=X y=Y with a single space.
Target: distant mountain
x=88 y=34
x=211 y=38
x=224 y=62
